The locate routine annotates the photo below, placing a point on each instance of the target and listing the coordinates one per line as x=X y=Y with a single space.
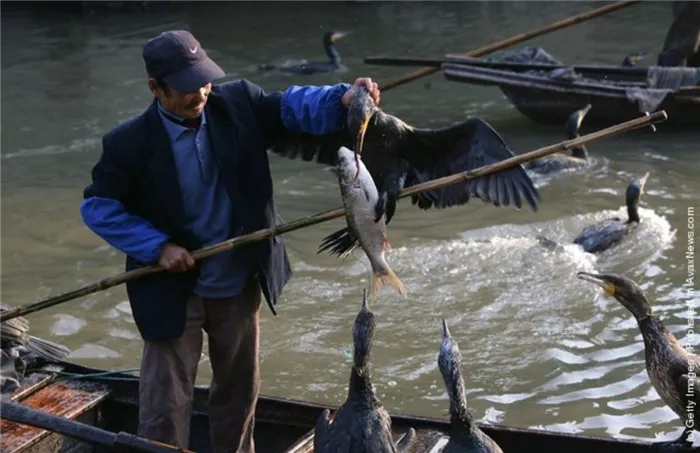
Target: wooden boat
x=616 y=94
x=110 y=401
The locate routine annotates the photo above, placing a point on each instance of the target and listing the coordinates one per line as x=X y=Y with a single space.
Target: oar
x=469 y=61
x=577 y=19
x=259 y=235
x=93 y=435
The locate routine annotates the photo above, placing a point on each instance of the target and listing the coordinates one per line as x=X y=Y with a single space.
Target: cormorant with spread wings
x=399 y=156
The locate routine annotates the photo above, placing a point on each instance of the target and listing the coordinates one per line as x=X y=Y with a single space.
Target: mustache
x=193 y=104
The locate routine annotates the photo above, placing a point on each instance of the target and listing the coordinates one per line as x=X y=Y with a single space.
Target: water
x=541 y=348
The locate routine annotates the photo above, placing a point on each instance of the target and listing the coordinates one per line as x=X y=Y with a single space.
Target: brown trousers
x=169 y=369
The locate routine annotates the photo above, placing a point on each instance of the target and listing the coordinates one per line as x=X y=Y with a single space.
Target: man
x=682 y=43
x=190 y=171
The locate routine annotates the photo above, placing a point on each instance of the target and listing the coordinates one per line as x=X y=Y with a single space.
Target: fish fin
x=387 y=278
x=341 y=243
x=380 y=207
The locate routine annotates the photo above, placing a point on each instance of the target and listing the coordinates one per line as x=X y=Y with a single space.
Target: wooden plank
x=69 y=399
x=34 y=382
x=304 y=445
x=458 y=72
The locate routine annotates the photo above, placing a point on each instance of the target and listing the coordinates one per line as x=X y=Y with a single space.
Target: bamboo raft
x=96 y=398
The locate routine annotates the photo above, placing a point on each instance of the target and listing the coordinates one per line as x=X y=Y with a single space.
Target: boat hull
x=547 y=107
x=286 y=425
x=613 y=99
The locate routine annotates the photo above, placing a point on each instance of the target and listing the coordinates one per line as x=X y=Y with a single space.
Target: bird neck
x=459 y=415
x=657 y=339
x=632 y=213
x=332 y=53
x=360 y=389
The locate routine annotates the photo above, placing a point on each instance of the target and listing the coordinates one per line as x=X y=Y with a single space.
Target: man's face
x=185 y=105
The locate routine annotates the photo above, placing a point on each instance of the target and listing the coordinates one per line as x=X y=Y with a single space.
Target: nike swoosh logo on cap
x=194 y=50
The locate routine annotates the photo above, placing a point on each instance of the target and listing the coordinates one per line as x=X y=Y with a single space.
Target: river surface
x=540 y=348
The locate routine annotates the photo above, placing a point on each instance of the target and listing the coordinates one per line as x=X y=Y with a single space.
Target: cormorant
x=560 y=161
x=304 y=67
x=361 y=424
x=398 y=155
x=465 y=435
x=634 y=58
x=671 y=368
x=603 y=235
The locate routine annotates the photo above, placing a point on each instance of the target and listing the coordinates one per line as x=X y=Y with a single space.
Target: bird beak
x=586 y=109
x=643 y=181
x=360 y=139
x=598 y=280
x=339 y=34
x=445 y=330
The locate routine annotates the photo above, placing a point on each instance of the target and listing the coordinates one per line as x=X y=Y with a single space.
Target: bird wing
x=462 y=147
x=601 y=236
x=321 y=432
x=321 y=149
x=408 y=443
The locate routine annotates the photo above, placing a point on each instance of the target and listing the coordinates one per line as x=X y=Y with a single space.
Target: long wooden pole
x=259 y=235
x=93 y=435
x=480 y=63
x=577 y=19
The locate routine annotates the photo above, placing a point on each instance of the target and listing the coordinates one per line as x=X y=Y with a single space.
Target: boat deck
x=71 y=399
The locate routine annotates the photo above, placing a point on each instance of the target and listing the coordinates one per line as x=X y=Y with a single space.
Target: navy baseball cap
x=178 y=59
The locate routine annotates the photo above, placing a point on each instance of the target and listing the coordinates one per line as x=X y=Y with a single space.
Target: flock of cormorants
x=398 y=156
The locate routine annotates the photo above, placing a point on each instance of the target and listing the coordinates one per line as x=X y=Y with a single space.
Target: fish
x=362 y=203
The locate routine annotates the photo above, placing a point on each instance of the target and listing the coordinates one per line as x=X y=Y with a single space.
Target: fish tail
x=387 y=277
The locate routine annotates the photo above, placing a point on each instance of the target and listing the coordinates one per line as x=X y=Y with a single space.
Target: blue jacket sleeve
x=128 y=233
x=315 y=110
x=103 y=208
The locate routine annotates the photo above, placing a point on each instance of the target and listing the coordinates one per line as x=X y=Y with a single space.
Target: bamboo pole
x=454 y=60
x=577 y=19
x=121 y=441
x=260 y=235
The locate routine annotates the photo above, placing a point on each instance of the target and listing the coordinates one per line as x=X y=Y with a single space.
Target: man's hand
x=372 y=87
x=175 y=259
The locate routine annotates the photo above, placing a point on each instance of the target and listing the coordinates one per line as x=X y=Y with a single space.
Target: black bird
x=671 y=368
x=465 y=435
x=398 y=155
x=361 y=424
x=603 y=235
x=304 y=67
x=560 y=161
x=634 y=58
